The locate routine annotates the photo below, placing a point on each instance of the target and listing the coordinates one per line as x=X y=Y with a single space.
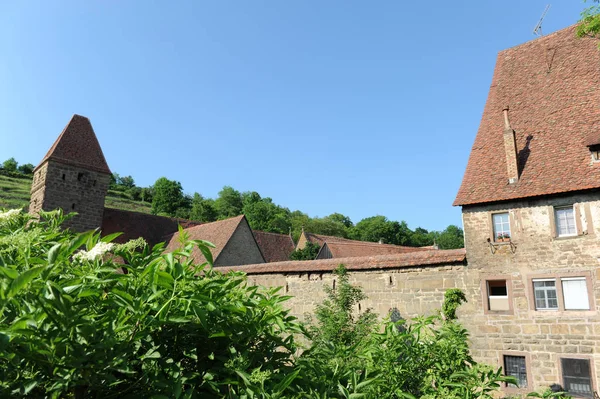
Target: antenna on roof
x=538 y=28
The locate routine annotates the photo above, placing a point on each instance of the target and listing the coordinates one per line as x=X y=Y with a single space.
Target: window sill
x=562 y=238
x=502 y=242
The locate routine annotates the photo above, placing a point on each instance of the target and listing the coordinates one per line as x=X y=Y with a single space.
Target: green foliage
x=589 y=24
x=377 y=228
x=203 y=210
x=26 y=169
x=10 y=165
x=453 y=298
x=263 y=214
x=550 y=393
x=168 y=197
x=71 y=325
x=309 y=252
x=229 y=203
x=452 y=237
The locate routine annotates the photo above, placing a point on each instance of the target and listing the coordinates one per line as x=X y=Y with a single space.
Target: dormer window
x=595 y=151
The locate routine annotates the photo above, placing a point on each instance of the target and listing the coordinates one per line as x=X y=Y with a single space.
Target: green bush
x=82 y=317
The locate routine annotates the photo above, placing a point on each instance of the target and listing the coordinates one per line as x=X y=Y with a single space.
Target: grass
x=14 y=193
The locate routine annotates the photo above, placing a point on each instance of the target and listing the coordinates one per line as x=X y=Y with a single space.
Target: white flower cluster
x=99 y=250
x=8 y=215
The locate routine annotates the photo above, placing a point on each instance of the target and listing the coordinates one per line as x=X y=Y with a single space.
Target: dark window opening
x=287 y=288
x=63 y=176
x=497 y=293
x=514 y=366
x=359 y=308
x=334 y=284
x=94 y=184
x=577 y=377
x=73 y=206
x=391 y=281
x=497 y=288
x=79 y=176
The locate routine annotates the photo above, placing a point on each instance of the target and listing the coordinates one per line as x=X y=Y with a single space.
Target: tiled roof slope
x=218 y=233
x=552 y=88
x=78 y=146
x=410 y=259
x=274 y=247
x=321 y=239
x=135 y=224
x=349 y=249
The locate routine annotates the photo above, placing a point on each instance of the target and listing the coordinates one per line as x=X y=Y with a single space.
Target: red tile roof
x=135 y=224
x=410 y=259
x=78 y=146
x=321 y=239
x=274 y=247
x=349 y=249
x=551 y=86
x=218 y=233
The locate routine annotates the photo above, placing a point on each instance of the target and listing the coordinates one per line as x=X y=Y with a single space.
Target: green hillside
x=14 y=193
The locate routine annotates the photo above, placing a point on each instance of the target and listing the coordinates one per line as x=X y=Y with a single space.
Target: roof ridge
x=371 y=243
x=540 y=38
x=269 y=232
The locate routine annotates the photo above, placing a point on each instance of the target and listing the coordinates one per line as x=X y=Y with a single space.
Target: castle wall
x=72 y=189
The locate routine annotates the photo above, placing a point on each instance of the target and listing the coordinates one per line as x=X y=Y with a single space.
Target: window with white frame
x=564 y=219
x=544 y=291
x=501 y=226
x=514 y=366
x=577 y=377
x=572 y=296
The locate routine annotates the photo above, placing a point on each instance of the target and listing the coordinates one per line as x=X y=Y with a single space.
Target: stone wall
x=535 y=252
x=56 y=185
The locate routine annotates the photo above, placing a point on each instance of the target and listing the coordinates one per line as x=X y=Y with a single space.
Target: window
x=561 y=293
x=575 y=293
x=497 y=295
x=565 y=222
x=545 y=294
x=576 y=377
x=501 y=227
x=514 y=366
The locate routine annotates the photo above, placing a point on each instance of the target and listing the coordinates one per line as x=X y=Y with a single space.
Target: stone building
x=530 y=201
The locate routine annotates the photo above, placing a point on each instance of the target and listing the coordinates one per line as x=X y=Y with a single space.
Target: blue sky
x=357 y=107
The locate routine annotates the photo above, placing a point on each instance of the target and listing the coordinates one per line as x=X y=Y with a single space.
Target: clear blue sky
x=357 y=107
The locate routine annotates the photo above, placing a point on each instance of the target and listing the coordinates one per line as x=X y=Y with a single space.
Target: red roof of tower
x=551 y=87
x=78 y=146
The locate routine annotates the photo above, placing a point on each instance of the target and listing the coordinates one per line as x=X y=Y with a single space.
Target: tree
x=229 y=203
x=203 y=210
x=590 y=21
x=338 y=217
x=168 y=197
x=10 y=165
x=421 y=238
x=377 y=228
x=451 y=238
x=309 y=252
x=127 y=182
x=26 y=169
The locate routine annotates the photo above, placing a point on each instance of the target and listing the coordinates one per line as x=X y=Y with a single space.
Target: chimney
x=510 y=147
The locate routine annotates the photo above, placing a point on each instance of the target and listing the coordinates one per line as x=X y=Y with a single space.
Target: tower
x=73 y=176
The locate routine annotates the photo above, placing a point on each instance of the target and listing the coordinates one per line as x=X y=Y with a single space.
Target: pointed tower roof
x=78 y=146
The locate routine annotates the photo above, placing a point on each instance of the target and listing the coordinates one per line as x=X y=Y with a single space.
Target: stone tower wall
x=73 y=189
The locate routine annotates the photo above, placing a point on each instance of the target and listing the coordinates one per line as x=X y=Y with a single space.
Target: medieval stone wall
x=72 y=189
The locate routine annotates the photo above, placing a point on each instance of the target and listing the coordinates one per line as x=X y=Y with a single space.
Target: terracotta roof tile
x=410 y=259
x=551 y=86
x=274 y=247
x=218 y=233
x=135 y=224
x=348 y=249
x=78 y=146
x=321 y=239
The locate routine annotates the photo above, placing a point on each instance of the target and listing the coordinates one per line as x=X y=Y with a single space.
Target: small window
x=514 y=366
x=575 y=293
x=565 y=222
x=63 y=176
x=497 y=295
x=545 y=294
x=577 y=377
x=79 y=176
x=595 y=155
x=72 y=206
x=501 y=227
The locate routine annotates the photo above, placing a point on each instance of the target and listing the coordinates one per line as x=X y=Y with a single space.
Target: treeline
x=168 y=199
x=11 y=167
